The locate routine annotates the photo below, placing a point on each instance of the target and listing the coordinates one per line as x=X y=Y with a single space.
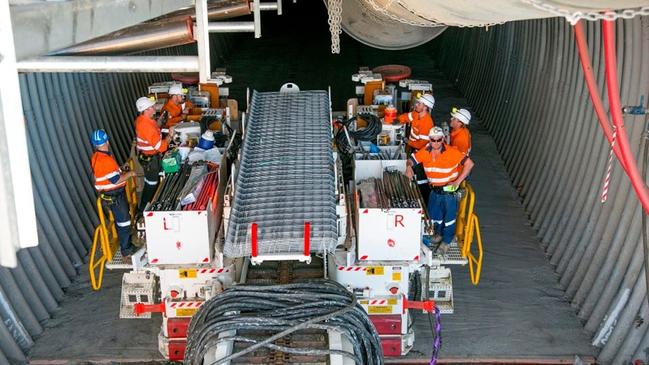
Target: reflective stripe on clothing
x=414 y=137
x=441 y=169
x=107 y=176
x=105 y=169
x=443 y=181
x=123 y=224
x=419 y=128
x=149 y=182
x=148 y=136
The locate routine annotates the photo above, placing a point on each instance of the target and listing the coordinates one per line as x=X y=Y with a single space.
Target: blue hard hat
x=99 y=137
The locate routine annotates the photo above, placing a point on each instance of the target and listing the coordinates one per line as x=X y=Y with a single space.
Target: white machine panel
x=389 y=235
x=180 y=237
x=193 y=282
x=374 y=168
x=373 y=280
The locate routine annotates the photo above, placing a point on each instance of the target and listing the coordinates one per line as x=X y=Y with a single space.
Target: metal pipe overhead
x=141 y=37
x=216 y=10
x=268 y=6
x=231 y=27
x=110 y=64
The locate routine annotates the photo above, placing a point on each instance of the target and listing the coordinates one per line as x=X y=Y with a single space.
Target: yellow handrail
x=131 y=190
x=104 y=239
x=468 y=225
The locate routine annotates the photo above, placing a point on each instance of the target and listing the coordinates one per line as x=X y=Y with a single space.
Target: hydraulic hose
x=621 y=149
x=645 y=240
x=595 y=96
x=616 y=111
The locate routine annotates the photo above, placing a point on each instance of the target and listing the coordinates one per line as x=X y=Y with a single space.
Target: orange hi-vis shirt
x=443 y=169
x=175 y=111
x=149 y=137
x=419 y=128
x=106 y=171
x=461 y=139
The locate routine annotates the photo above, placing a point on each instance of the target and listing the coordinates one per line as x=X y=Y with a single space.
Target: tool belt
x=111 y=195
x=145 y=158
x=440 y=190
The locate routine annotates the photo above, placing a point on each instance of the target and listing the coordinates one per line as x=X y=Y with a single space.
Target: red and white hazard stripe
x=378 y=302
x=194 y=304
x=607 y=178
x=212 y=271
x=351 y=268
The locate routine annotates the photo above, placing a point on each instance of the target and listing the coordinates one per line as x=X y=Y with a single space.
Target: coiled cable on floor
x=285 y=310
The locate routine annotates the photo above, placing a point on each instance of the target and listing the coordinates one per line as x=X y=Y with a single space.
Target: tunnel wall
x=61 y=110
x=525 y=84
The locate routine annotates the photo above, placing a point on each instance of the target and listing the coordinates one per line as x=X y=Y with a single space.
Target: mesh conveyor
x=286 y=176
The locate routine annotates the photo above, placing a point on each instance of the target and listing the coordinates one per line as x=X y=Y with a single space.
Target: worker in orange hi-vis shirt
x=110 y=183
x=176 y=105
x=445 y=168
x=460 y=135
x=420 y=124
x=150 y=146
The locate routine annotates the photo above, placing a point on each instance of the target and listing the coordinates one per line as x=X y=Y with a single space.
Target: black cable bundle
x=369 y=133
x=286 y=310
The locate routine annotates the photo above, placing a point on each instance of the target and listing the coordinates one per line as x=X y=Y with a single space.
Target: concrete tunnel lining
x=522 y=87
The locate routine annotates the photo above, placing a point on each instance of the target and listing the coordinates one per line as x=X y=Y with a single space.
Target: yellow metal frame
x=468 y=226
x=105 y=238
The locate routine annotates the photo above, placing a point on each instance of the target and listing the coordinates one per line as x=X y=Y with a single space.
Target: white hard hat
x=176 y=89
x=462 y=115
x=436 y=132
x=428 y=100
x=144 y=103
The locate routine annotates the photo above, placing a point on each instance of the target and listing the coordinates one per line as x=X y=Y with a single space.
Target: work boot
x=136 y=240
x=436 y=238
x=443 y=249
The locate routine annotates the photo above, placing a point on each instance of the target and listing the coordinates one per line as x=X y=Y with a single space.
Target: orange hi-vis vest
x=419 y=128
x=443 y=169
x=149 y=138
x=175 y=111
x=106 y=171
x=461 y=139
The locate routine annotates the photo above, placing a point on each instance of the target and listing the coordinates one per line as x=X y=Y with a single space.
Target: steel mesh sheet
x=286 y=176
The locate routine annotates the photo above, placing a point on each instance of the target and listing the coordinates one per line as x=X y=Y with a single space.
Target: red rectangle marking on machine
x=177 y=327
x=177 y=350
x=391 y=346
x=387 y=324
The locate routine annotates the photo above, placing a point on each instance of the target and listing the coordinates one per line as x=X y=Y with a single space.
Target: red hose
x=595 y=97
x=616 y=111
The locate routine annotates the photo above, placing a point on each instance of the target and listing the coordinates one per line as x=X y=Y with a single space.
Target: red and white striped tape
x=607 y=178
x=351 y=268
x=185 y=304
x=211 y=271
x=378 y=302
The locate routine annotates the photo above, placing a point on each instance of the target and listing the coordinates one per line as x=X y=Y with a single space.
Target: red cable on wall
x=621 y=148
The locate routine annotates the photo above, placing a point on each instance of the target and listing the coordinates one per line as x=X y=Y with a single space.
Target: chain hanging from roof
x=335 y=11
x=574 y=17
